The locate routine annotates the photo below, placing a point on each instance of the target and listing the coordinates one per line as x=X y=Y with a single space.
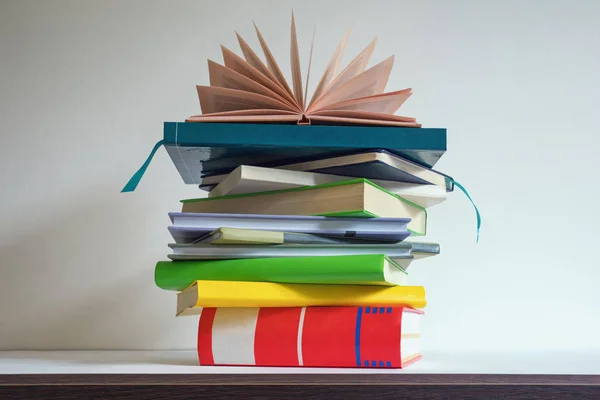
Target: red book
x=374 y=337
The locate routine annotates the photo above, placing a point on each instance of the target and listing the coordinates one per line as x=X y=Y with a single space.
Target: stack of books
x=298 y=253
x=312 y=275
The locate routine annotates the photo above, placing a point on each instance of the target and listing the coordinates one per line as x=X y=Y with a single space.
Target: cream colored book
x=247 y=89
x=350 y=198
x=250 y=179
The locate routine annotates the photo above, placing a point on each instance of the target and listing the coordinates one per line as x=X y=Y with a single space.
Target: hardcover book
x=372 y=269
x=200 y=150
x=250 y=179
x=266 y=294
x=206 y=149
x=347 y=337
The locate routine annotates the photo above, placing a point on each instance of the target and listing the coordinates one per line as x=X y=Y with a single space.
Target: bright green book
x=375 y=269
x=350 y=198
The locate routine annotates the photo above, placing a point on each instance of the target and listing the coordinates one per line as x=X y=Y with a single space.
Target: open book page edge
x=389 y=103
x=220 y=76
x=272 y=64
x=255 y=111
x=331 y=70
x=244 y=118
x=312 y=45
x=295 y=64
x=241 y=66
x=364 y=122
x=208 y=96
x=253 y=59
x=361 y=115
x=292 y=118
x=355 y=67
x=379 y=74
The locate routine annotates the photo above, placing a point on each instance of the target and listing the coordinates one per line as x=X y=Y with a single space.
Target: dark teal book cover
x=204 y=149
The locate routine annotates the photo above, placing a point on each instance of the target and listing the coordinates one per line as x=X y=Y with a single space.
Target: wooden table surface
x=160 y=375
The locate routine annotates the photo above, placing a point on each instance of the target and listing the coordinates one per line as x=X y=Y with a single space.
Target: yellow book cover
x=266 y=294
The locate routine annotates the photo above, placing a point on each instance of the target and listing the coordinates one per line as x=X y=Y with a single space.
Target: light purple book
x=190 y=227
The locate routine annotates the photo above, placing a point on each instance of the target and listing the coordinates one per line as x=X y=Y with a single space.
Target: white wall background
x=86 y=85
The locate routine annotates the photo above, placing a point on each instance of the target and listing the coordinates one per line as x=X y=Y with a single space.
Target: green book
x=350 y=198
x=369 y=269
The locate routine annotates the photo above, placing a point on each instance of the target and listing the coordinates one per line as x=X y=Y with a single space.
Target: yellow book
x=266 y=294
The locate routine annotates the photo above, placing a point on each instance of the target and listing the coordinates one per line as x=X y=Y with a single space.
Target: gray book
x=229 y=236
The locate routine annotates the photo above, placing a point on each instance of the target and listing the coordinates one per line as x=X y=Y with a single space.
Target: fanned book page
x=246 y=89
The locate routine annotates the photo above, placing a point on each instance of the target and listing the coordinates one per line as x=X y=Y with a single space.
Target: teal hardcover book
x=204 y=149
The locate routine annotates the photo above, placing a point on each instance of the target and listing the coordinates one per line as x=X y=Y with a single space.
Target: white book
x=249 y=179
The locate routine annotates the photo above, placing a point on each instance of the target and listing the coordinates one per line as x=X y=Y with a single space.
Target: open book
x=248 y=90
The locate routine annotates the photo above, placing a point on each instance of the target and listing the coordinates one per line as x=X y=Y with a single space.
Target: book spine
x=301 y=336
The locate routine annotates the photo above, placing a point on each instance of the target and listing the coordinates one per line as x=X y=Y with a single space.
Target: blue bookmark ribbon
x=461 y=187
x=135 y=179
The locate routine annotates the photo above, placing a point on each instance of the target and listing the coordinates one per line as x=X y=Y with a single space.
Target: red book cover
x=352 y=337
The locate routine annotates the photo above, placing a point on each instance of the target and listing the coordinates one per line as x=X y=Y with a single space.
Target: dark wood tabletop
x=298 y=386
